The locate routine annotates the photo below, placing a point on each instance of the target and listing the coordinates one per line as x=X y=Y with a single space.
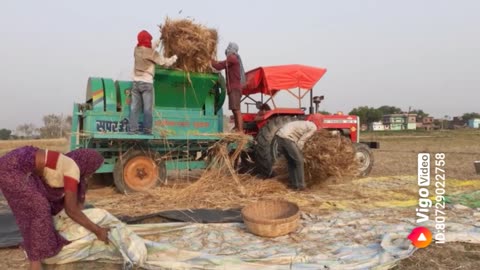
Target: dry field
x=393 y=161
x=397 y=153
x=52 y=144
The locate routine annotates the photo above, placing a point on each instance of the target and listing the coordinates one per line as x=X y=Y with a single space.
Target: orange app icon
x=421 y=237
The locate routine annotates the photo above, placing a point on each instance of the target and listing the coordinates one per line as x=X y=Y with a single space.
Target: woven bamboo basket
x=271 y=218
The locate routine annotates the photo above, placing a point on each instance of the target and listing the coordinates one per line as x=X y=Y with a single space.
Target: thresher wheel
x=364 y=157
x=265 y=148
x=138 y=171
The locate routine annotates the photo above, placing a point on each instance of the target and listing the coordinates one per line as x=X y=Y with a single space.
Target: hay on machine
x=194 y=44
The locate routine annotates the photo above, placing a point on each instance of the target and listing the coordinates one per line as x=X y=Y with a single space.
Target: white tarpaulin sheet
x=342 y=240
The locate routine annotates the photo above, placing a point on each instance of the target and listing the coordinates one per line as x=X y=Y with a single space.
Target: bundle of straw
x=328 y=155
x=194 y=44
x=325 y=155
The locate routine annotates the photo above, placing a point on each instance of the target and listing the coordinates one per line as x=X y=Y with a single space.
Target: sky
x=418 y=54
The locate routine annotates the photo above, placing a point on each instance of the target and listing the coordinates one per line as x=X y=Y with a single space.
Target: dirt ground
x=396 y=158
x=444 y=257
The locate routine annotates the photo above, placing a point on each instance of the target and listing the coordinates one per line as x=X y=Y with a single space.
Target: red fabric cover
x=70 y=184
x=269 y=80
x=52 y=159
x=144 y=39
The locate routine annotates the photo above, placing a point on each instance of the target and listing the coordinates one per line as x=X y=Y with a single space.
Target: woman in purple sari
x=38 y=184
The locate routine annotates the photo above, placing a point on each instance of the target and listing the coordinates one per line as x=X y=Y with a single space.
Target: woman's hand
x=102 y=234
x=75 y=213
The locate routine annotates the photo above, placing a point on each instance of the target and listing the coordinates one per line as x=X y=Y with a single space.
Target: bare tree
x=26 y=130
x=55 y=126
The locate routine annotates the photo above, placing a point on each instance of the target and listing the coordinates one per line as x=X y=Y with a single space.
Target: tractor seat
x=248 y=117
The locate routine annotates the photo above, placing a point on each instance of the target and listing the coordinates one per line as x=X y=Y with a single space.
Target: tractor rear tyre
x=138 y=171
x=245 y=162
x=265 y=148
x=364 y=157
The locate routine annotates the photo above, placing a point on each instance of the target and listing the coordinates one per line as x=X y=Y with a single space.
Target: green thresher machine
x=187 y=113
x=187 y=117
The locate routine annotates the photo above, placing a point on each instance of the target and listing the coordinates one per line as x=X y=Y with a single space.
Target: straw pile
x=326 y=157
x=219 y=186
x=221 y=183
x=194 y=44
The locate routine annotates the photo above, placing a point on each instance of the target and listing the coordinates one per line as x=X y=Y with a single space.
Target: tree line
x=369 y=115
x=54 y=126
x=58 y=125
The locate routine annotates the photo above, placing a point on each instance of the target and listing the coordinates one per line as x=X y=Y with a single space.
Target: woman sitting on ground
x=38 y=184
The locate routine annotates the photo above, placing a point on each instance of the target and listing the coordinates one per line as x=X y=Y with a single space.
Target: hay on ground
x=194 y=44
x=219 y=185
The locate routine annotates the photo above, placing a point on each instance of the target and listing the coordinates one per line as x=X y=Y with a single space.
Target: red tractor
x=297 y=80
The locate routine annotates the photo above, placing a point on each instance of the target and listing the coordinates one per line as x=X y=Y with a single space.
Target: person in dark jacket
x=235 y=80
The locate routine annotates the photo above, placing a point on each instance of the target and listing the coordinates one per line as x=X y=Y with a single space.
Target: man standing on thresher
x=235 y=80
x=142 y=92
x=291 y=139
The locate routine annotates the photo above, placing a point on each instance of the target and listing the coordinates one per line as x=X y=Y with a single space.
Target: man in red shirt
x=235 y=80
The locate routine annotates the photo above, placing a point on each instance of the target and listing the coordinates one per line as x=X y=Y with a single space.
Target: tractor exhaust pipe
x=311 y=101
x=317 y=100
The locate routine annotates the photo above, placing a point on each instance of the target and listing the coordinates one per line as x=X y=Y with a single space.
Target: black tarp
x=191 y=215
x=10 y=235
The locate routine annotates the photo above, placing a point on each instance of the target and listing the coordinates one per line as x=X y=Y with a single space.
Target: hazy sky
x=419 y=53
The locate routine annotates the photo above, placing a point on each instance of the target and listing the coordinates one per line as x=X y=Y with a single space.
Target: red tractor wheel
x=138 y=171
x=364 y=158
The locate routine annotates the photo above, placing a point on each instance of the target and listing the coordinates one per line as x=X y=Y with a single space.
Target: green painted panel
x=104 y=122
x=169 y=124
x=220 y=120
x=110 y=95
x=75 y=127
x=185 y=165
x=95 y=94
x=124 y=96
x=106 y=168
x=180 y=89
x=176 y=122
x=171 y=165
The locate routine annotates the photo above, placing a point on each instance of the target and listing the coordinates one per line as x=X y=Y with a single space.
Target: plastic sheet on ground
x=341 y=240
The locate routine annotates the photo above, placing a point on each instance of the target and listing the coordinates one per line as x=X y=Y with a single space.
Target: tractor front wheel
x=364 y=157
x=138 y=171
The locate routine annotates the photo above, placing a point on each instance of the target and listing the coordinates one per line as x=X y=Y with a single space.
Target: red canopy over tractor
x=269 y=80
